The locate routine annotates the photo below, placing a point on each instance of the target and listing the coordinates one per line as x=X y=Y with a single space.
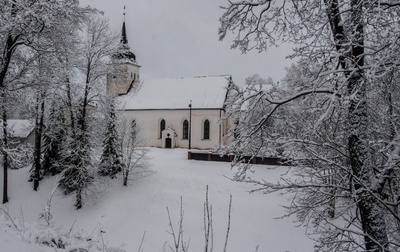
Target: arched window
x=133 y=129
x=185 y=133
x=206 y=129
x=162 y=126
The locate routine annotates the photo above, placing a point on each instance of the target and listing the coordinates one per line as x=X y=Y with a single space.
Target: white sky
x=178 y=38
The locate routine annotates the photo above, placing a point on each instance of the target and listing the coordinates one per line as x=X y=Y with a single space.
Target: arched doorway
x=168 y=138
x=168 y=143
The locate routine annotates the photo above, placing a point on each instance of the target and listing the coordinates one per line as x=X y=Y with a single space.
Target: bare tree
x=22 y=27
x=182 y=245
x=97 y=45
x=351 y=50
x=135 y=158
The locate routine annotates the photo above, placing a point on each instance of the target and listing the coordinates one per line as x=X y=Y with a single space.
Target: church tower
x=124 y=71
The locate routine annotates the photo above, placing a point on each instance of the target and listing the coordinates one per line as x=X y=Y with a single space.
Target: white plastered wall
x=149 y=123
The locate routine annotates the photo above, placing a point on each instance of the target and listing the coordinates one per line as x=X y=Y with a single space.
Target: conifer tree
x=76 y=160
x=53 y=142
x=111 y=158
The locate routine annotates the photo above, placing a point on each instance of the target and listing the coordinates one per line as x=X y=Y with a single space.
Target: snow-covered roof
x=206 y=92
x=20 y=128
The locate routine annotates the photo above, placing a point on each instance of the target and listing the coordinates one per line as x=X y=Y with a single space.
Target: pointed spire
x=123 y=52
x=124 y=39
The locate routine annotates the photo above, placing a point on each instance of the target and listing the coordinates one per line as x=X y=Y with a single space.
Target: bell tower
x=124 y=73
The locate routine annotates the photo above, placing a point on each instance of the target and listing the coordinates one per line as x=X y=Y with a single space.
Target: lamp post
x=190 y=124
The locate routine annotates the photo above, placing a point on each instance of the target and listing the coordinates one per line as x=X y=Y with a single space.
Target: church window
x=206 y=129
x=162 y=126
x=133 y=129
x=185 y=133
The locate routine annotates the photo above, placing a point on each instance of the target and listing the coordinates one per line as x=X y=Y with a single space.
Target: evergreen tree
x=111 y=158
x=53 y=139
x=76 y=160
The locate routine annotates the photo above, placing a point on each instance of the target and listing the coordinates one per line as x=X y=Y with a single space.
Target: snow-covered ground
x=119 y=216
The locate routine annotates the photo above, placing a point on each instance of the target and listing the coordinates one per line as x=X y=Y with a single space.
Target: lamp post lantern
x=190 y=124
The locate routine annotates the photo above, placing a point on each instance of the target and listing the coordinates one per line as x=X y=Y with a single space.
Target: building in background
x=170 y=113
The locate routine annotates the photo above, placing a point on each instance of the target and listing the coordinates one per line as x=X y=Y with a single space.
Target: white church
x=170 y=113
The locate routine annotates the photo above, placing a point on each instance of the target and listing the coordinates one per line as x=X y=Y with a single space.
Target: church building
x=169 y=113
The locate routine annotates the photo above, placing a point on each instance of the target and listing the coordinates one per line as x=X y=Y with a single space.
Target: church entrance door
x=168 y=143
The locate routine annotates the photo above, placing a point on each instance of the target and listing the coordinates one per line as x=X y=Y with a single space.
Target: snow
x=20 y=128
x=11 y=242
x=205 y=92
x=119 y=216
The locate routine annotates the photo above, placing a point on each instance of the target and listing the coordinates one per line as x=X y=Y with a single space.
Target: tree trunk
x=8 y=51
x=126 y=173
x=38 y=140
x=10 y=46
x=78 y=202
x=5 y=155
x=372 y=217
x=71 y=108
x=332 y=204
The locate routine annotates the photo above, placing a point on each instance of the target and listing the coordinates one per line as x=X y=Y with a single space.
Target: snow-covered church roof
x=207 y=92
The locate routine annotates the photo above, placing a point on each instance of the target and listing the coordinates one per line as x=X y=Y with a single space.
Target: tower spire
x=124 y=75
x=124 y=39
x=123 y=51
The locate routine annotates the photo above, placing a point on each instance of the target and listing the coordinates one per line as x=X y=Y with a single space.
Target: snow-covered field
x=119 y=216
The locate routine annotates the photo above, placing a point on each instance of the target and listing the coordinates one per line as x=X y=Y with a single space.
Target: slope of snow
x=118 y=216
x=205 y=92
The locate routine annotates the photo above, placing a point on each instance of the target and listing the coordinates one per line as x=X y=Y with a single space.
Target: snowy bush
x=20 y=156
x=47 y=235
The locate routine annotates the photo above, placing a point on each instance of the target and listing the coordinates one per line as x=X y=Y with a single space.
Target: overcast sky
x=178 y=38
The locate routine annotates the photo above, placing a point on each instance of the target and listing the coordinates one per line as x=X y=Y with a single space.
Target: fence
x=210 y=156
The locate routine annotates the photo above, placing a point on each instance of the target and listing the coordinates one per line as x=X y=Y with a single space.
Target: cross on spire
x=124 y=13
